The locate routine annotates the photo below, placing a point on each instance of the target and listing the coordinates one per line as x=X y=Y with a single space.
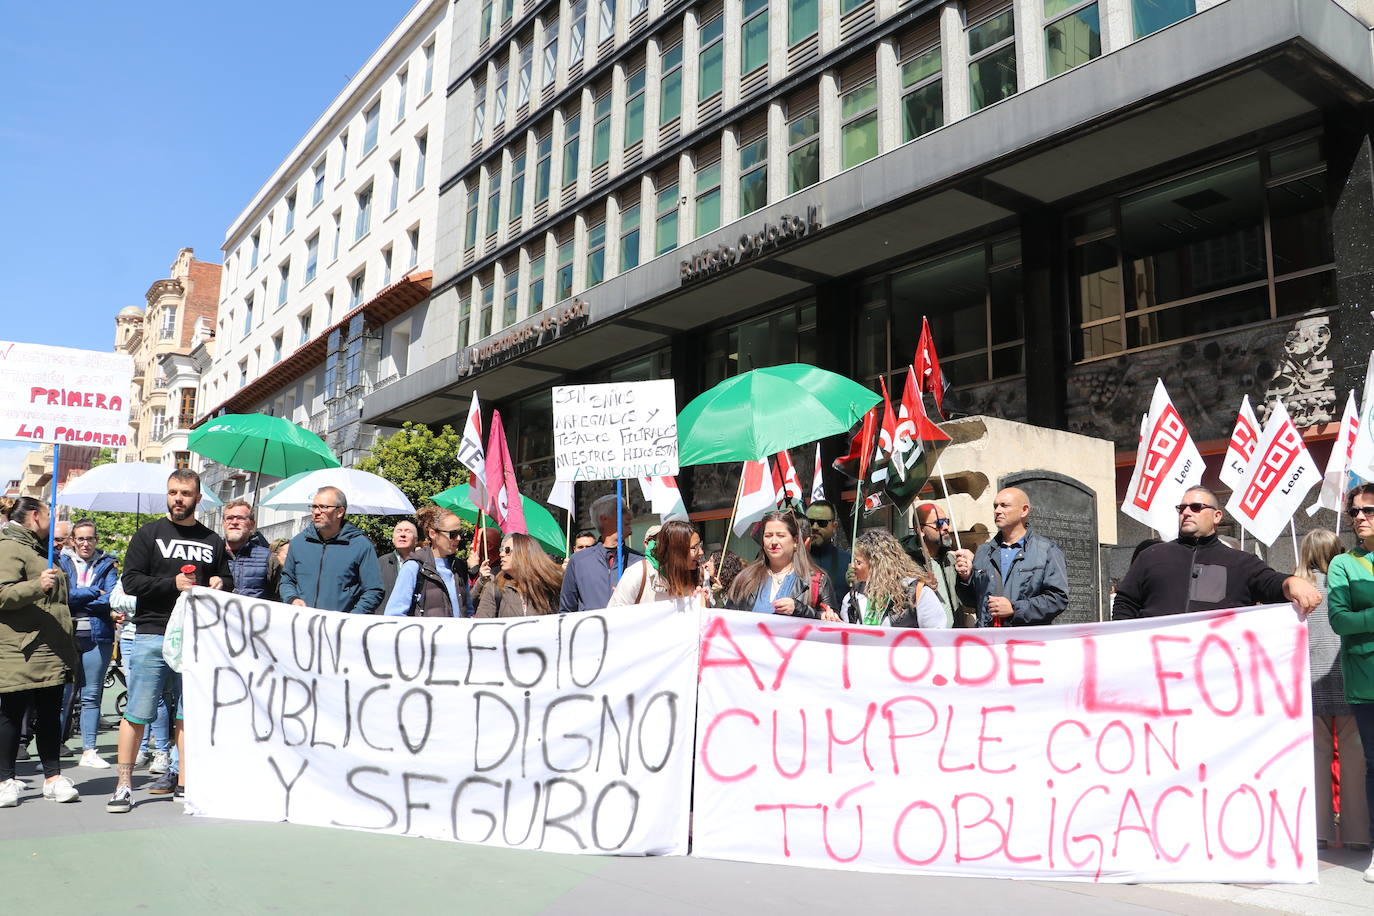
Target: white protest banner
x=615 y=431
x=562 y=733
x=1163 y=749
x=1277 y=479
x=1167 y=463
x=64 y=396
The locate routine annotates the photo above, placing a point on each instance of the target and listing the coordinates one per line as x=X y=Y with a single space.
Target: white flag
x=663 y=497
x=817 y=478
x=562 y=496
x=1167 y=463
x=757 y=497
x=1362 y=458
x=1242 y=446
x=1276 y=480
x=1338 y=465
x=473 y=454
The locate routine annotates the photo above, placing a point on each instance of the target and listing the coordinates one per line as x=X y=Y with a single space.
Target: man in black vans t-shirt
x=153 y=575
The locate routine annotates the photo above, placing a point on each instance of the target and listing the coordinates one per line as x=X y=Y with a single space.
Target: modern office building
x=337 y=242
x=1080 y=195
x=180 y=314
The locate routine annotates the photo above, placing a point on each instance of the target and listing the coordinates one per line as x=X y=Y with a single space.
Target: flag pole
x=949 y=503
x=1293 y=531
x=619 y=528
x=858 y=508
x=52 y=500
x=734 y=510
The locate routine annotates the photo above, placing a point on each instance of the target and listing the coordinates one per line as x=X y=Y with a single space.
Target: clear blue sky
x=130 y=131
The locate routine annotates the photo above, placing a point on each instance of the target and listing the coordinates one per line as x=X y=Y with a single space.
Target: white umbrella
x=367 y=494
x=125 y=486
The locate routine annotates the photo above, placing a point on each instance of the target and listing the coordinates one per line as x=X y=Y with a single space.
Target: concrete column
x=1350 y=191
x=1045 y=318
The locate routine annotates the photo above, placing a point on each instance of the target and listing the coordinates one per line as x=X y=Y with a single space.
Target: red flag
x=861 y=446
x=757 y=497
x=785 y=475
x=927 y=368
x=504 y=497
x=917 y=447
x=887 y=436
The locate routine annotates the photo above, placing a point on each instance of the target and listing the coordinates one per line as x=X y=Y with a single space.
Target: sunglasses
x=1193 y=507
x=938 y=523
x=1356 y=511
x=820 y=522
x=449 y=534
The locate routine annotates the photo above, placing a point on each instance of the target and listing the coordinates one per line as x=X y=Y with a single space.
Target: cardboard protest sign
x=64 y=396
x=615 y=431
x=1165 y=749
x=561 y=733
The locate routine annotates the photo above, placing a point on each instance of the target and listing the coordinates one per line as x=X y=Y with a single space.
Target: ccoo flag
x=1167 y=463
x=1362 y=458
x=1277 y=479
x=1241 y=447
x=1338 y=465
x=817 y=478
x=916 y=447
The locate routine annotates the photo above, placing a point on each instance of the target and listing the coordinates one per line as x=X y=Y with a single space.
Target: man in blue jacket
x=91 y=577
x=248 y=551
x=332 y=565
x=1018 y=578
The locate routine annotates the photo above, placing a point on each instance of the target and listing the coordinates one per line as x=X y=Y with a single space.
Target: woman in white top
x=889 y=589
x=678 y=554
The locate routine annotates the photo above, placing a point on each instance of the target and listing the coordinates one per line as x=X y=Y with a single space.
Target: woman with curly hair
x=889 y=589
x=783 y=579
x=528 y=583
x=678 y=553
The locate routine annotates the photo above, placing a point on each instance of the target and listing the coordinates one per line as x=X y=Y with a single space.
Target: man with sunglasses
x=332 y=565
x=825 y=550
x=1197 y=572
x=931 y=547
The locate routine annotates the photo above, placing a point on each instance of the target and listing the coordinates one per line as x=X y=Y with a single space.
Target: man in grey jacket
x=1017 y=578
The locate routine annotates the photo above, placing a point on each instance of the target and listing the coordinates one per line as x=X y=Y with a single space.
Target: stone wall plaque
x=1065 y=511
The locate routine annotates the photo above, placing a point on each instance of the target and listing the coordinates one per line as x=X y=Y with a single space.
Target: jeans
x=150 y=680
x=90 y=681
x=135 y=650
x=1364 y=721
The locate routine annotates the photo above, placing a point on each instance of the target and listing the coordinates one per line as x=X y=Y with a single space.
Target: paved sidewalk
x=179 y=863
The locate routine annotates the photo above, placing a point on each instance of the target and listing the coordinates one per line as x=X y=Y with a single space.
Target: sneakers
x=9 y=793
x=162 y=762
x=164 y=785
x=122 y=802
x=89 y=758
x=1369 y=872
x=61 y=789
x=141 y=760
x=180 y=794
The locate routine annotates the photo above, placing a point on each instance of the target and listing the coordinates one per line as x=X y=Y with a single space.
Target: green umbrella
x=255 y=442
x=540 y=522
x=764 y=411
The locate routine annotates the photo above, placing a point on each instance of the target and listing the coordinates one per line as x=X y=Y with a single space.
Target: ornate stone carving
x=1302 y=376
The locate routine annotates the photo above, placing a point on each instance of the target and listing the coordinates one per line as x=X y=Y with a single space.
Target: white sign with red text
x=1167 y=463
x=64 y=396
x=1164 y=749
x=1276 y=480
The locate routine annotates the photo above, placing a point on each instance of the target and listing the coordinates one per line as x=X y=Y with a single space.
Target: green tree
x=420 y=462
x=115 y=528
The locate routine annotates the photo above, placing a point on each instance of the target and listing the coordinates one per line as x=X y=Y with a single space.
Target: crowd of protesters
x=59 y=624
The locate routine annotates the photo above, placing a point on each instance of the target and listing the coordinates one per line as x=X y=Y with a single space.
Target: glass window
x=402 y=79
x=364 y=223
x=485 y=32
x=859 y=133
x=665 y=221
x=522 y=85
x=493 y=203
x=637 y=7
x=803 y=151
x=629 y=238
x=1152 y=15
x=507 y=10
x=536 y=284
x=312 y=256
x=923 y=102
x=283 y=282
x=596 y=254
x=484 y=318
x=571 y=146
x=550 y=70
x=753 y=176
x=508 y=305
x=498 y=106
x=168 y=329
x=769 y=340
x=470 y=238
x=355 y=289
x=317 y=193
x=479 y=116
x=421 y=159
x=304 y=319
x=577 y=34
x=428 y=51
x=517 y=186
x=386 y=266
x=992 y=60
x=413 y=236
x=371 y=119
x=670 y=88
x=601 y=130
x=542 y=168
x=708 y=199
x=464 y=321
x=1072 y=39
x=711 y=59
x=802 y=20
x=256 y=246
x=394 y=198
x=605 y=20
x=753 y=35
x=290 y=222
x=276 y=349
x=634 y=109
x=343 y=156
x=563 y=280
x=338 y=234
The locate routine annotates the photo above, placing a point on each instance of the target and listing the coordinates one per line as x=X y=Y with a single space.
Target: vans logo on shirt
x=186 y=550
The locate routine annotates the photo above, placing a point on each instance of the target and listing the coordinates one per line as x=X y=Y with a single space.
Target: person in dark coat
x=249 y=554
x=783 y=580
x=405 y=537
x=432 y=581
